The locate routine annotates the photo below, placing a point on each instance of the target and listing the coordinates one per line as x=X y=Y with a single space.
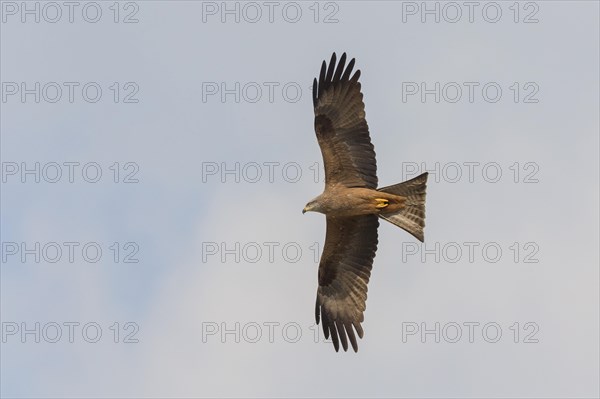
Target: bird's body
x=352 y=202
x=341 y=201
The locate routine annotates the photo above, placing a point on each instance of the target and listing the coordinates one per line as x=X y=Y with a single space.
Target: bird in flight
x=352 y=202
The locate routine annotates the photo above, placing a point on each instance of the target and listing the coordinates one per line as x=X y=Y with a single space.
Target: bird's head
x=312 y=206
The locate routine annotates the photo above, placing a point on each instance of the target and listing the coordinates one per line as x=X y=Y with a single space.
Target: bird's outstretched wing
x=341 y=128
x=344 y=273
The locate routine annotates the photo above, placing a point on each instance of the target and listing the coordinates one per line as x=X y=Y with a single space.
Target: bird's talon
x=381 y=203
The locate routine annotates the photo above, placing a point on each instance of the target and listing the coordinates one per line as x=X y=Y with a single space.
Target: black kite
x=352 y=202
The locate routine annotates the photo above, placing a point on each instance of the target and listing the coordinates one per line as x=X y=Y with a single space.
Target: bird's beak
x=304 y=210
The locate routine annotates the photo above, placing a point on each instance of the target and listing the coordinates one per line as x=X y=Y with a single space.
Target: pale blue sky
x=177 y=290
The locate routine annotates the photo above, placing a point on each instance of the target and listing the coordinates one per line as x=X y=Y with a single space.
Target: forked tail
x=412 y=217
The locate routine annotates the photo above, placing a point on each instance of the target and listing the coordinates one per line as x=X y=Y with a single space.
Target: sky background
x=210 y=188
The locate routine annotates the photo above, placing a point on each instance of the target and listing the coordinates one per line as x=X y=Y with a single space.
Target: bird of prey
x=352 y=202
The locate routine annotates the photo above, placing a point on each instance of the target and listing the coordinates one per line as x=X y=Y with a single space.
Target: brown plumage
x=352 y=202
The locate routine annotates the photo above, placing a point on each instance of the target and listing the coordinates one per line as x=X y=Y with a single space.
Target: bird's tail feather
x=412 y=216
